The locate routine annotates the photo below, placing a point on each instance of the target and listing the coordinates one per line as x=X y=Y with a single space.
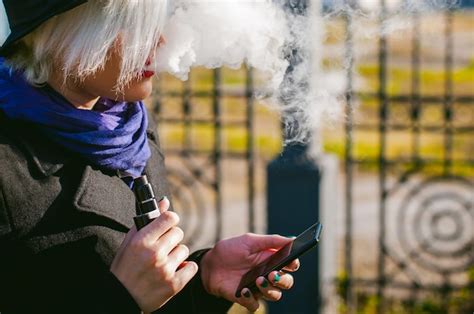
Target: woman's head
x=102 y=47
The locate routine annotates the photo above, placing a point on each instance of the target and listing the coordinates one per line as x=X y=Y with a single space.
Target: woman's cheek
x=138 y=91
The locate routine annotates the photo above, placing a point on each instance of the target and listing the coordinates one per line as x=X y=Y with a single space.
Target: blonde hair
x=80 y=40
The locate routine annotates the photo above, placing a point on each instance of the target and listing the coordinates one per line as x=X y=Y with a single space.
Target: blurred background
x=394 y=185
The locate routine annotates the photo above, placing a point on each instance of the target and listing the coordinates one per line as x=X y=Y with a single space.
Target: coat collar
x=46 y=157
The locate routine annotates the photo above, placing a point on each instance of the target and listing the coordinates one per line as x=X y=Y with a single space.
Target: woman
x=73 y=135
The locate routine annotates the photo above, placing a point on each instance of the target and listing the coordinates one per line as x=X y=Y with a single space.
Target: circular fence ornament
x=436 y=225
x=189 y=202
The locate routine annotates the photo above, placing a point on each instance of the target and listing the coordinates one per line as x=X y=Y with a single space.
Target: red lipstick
x=148 y=74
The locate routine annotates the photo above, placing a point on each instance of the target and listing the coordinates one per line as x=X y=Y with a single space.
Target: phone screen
x=293 y=249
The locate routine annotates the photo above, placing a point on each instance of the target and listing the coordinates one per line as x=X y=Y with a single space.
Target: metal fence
x=197 y=176
x=424 y=241
x=421 y=238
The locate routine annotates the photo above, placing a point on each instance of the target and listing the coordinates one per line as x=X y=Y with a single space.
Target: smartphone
x=300 y=245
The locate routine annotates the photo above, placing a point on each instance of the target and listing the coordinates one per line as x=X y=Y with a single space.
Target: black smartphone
x=300 y=245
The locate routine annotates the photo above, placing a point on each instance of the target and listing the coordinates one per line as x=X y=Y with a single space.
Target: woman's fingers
x=293 y=266
x=158 y=227
x=248 y=300
x=271 y=288
x=164 y=204
x=258 y=243
x=168 y=241
x=184 y=274
x=268 y=291
x=178 y=256
x=281 y=280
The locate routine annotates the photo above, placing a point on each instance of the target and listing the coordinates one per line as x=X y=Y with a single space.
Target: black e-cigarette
x=147 y=206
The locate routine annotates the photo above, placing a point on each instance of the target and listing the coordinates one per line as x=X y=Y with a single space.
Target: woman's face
x=104 y=81
x=84 y=93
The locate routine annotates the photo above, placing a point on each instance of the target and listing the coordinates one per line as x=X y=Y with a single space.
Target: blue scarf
x=112 y=136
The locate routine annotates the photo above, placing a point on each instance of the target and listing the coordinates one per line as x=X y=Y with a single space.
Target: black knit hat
x=18 y=18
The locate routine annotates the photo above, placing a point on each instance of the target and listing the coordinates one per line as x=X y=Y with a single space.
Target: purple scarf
x=112 y=136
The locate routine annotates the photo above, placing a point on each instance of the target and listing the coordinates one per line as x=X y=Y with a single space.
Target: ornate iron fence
x=196 y=172
x=416 y=249
x=423 y=248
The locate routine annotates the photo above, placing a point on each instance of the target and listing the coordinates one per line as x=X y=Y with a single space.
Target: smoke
x=261 y=34
x=225 y=33
x=392 y=17
x=283 y=45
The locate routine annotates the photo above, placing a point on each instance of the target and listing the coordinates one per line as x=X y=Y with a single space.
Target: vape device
x=147 y=205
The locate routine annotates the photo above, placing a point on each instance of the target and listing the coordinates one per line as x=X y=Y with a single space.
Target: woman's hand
x=223 y=267
x=150 y=262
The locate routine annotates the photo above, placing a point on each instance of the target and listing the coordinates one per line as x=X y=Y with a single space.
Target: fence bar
x=250 y=153
x=461 y=99
x=448 y=90
x=383 y=116
x=427 y=100
x=349 y=58
x=186 y=104
x=415 y=87
x=216 y=101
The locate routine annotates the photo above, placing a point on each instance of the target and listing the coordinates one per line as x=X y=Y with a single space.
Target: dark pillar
x=293 y=206
x=293 y=182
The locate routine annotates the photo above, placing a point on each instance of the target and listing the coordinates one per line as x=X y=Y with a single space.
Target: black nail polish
x=247 y=294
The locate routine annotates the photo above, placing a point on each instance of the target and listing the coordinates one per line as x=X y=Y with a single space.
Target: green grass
x=461 y=301
x=432 y=81
x=202 y=79
x=234 y=139
x=400 y=143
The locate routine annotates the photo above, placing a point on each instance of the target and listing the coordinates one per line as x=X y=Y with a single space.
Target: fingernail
x=264 y=283
x=247 y=293
x=276 y=278
x=291 y=236
x=163 y=204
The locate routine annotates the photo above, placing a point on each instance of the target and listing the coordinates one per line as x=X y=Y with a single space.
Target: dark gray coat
x=61 y=222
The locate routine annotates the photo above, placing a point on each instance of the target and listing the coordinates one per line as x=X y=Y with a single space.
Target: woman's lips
x=148 y=74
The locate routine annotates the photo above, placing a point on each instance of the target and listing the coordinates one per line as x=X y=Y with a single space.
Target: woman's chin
x=138 y=91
